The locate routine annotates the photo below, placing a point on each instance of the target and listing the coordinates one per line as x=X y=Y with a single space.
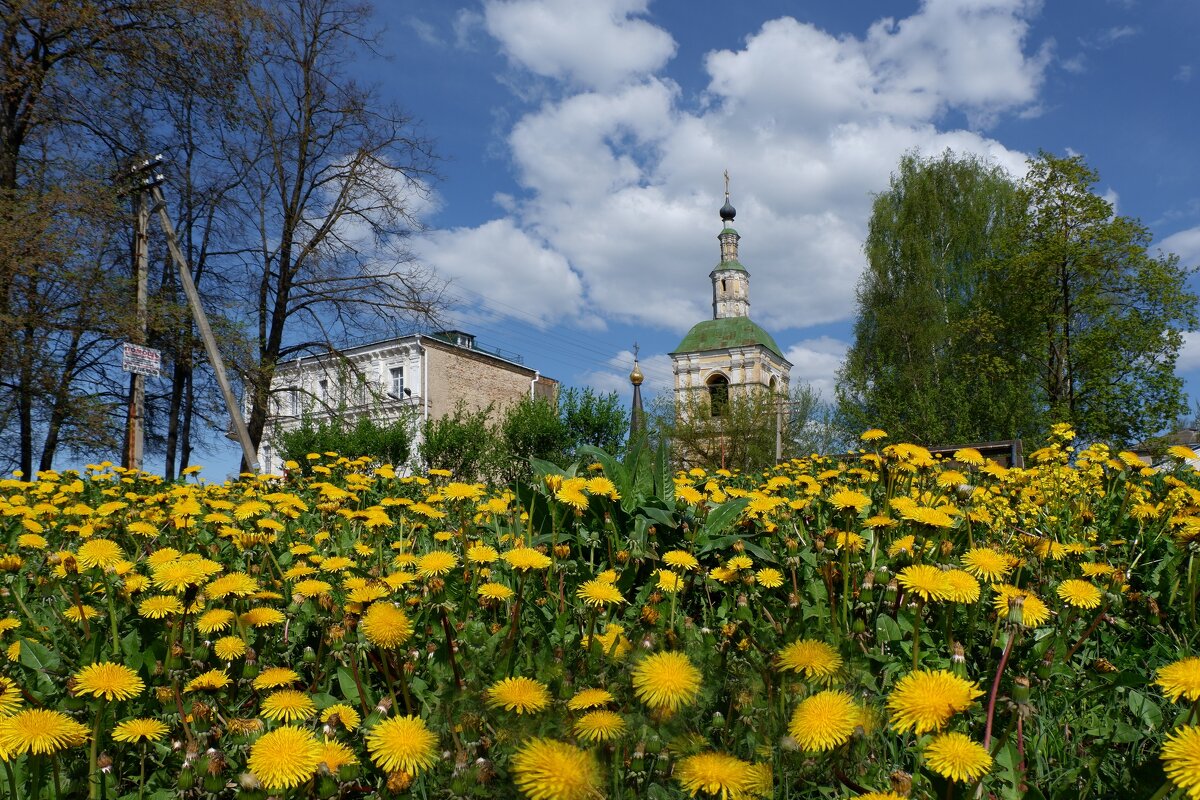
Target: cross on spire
x=726 y=184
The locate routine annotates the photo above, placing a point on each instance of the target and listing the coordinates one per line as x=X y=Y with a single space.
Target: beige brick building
x=417 y=377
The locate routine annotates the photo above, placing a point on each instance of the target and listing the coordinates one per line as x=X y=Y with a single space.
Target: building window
x=323 y=390
x=397 y=390
x=294 y=402
x=718 y=395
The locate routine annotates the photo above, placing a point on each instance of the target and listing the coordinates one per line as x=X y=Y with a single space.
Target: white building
x=418 y=377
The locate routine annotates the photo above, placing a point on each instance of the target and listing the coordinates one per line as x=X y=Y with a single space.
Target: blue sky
x=583 y=145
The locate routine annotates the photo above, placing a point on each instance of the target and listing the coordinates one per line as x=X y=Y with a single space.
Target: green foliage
x=991 y=308
x=744 y=434
x=388 y=443
x=599 y=420
x=463 y=442
x=931 y=360
x=532 y=428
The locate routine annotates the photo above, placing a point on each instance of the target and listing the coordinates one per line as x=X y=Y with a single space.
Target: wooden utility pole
x=135 y=434
x=210 y=343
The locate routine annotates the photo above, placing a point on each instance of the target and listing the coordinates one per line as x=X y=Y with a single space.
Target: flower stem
x=95 y=778
x=991 y=711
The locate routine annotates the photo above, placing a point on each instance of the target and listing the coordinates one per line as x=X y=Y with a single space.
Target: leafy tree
x=464 y=443
x=1109 y=316
x=753 y=424
x=932 y=359
x=532 y=428
x=387 y=443
x=599 y=420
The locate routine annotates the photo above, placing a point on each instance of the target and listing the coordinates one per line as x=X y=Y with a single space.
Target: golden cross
x=726 y=184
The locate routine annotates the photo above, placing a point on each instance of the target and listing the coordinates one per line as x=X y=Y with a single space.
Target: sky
x=583 y=145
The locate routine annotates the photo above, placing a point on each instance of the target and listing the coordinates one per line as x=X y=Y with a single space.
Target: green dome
x=719 y=334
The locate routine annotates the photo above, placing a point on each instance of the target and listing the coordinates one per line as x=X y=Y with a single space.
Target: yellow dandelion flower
x=288 y=705
x=482 y=554
x=402 y=743
x=160 y=606
x=284 y=758
x=262 y=617
x=600 y=726
x=436 y=563
x=209 y=681
x=986 y=563
x=957 y=757
x=109 y=681
x=824 y=720
x=666 y=680
x=274 y=677
x=335 y=755
x=590 y=698
x=40 y=731
x=925 y=700
x=669 y=581
x=716 y=774
x=1181 y=759
x=523 y=695
x=769 y=578
x=214 y=621
x=341 y=714
x=1181 y=679
x=849 y=500
x=386 y=625
x=98 y=553
x=815 y=659
x=925 y=580
x=1080 y=594
x=495 y=591
x=228 y=648
x=961 y=586
x=526 y=558
x=139 y=730
x=599 y=594
x=544 y=769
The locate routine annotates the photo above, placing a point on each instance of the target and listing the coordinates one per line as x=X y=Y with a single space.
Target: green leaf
x=349 y=689
x=37 y=656
x=722 y=516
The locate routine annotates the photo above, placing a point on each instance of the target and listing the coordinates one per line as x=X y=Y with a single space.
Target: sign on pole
x=141 y=360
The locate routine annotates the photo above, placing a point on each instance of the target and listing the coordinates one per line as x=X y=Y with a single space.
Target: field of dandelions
x=876 y=625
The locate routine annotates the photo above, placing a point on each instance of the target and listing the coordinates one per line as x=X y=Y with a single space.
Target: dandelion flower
x=738 y=563
x=1080 y=594
x=599 y=726
x=178 y=575
x=159 y=606
x=523 y=695
x=436 y=563
x=288 y=705
x=214 y=621
x=138 y=730
x=769 y=578
x=386 y=625
x=482 y=554
x=961 y=586
x=525 y=558
x=237 y=584
x=681 y=559
x=824 y=720
x=957 y=757
x=262 y=617
x=274 y=677
x=599 y=594
x=341 y=714
x=99 y=553
x=669 y=581
x=402 y=743
x=1181 y=679
x=284 y=758
x=209 y=681
x=716 y=774
x=925 y=700
x=589 y=698
x=10 y=696
x=495 y=591
x=814 y=659
x=849 y=500
x=927 y=581
x=335 y=755
x=873 y=435
x=1181 y=759
x=544 y=769
x=462 y=491
x=228 y=648
x=666 y=680
x=109 y=681
x=40 y=731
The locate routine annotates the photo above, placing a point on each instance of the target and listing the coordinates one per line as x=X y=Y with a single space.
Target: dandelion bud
x=622 y=556
x=958 y=661
x=562 y=550
x=1020 y=693
x=247 y=781
x=1016 y=610
x=718 y=721
x=104 y=762
x=742 y=601
x=901 y=782
x=893 y=588
x=791 y=543
x=309 y=656
x=793 y=600
x=384 y=705
x=327 y=786
x=187 y=779
x=739 y=547
x=398 y=781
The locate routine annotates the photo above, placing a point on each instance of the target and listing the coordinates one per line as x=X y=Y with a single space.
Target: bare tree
x=333 y=177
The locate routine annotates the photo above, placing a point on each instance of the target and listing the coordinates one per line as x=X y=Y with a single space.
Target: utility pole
x=135 y=434
x=249 y=455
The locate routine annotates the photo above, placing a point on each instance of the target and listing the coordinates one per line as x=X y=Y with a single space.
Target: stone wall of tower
x=731 y=293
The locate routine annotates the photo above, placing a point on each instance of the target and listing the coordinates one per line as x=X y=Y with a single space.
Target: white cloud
x=1185 y=244
x=1189 y=354
x=515 y=271
x=425 y=32
x=1184 y=73
x=621 y=172
x=656 y=368
x=595 y=44
x=816 y=362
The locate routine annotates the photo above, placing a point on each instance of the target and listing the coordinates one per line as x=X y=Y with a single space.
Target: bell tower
x=730 y=280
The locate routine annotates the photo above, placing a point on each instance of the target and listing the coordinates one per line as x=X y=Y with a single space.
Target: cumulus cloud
x=656 y=368
x=598 y=44
x=816 y=362
x=620 y=169
x=1189 y=354
x=1185 y=244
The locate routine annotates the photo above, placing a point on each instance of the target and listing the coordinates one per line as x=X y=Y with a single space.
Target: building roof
x=721 y=334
